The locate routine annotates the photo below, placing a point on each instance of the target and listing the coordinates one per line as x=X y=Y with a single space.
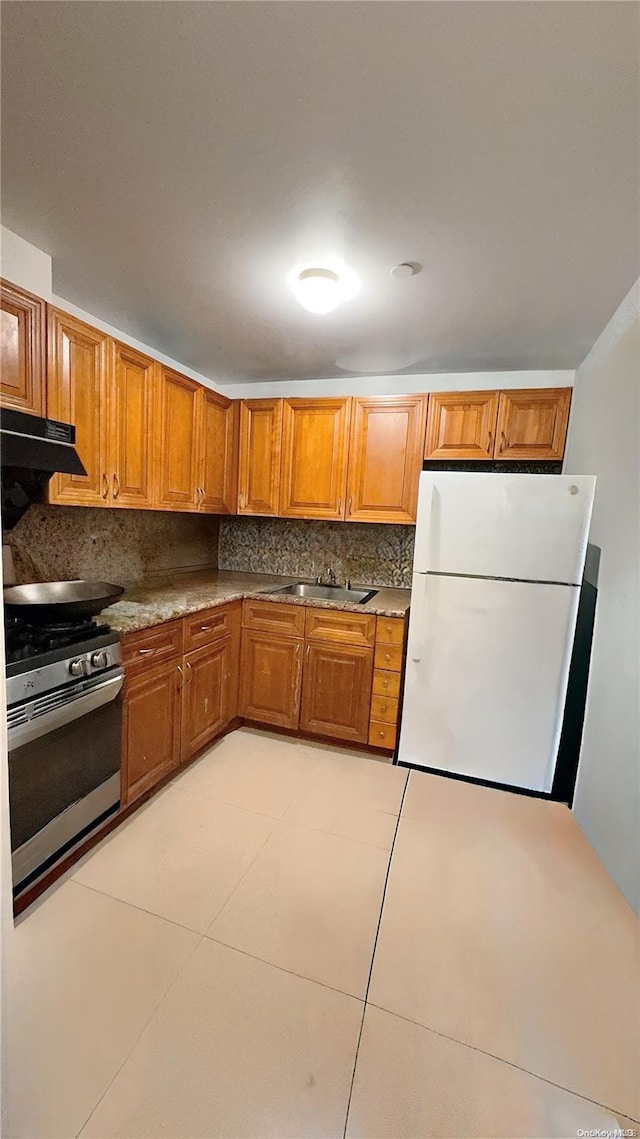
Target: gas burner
x=25 y=641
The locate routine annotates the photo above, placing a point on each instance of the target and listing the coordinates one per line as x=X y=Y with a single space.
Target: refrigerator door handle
x=418 y=610
x=423 y=527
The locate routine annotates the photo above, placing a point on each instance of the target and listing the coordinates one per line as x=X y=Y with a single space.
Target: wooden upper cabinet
x=336 y=691
x=218 y=453
x=77 y=384
x=314 y=458
x=532 y=423
x=385 y=458
x=259 y=460
x=22 y=349
x=461 y=425
x=176 y=458
x=132 y=387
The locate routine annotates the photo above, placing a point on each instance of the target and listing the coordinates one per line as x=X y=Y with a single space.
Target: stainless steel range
x=64 y=714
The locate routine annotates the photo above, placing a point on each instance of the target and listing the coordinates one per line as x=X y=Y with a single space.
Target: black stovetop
x=32 y=643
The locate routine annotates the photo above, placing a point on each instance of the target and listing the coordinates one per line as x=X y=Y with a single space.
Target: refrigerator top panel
x=518 y=527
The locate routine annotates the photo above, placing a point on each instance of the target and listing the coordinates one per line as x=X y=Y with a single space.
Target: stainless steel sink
x=325 y=592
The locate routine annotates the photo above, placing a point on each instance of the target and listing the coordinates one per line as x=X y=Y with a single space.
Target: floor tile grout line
x=500 y=1059
x=282 y=969
x=294 y=822
x=373 y=955
x=143 y=1029
x=140 y=909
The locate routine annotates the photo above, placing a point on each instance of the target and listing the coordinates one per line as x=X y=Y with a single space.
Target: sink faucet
x=331 y=575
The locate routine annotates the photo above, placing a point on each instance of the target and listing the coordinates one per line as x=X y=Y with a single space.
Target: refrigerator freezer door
x=484 y=697
x=527 y=527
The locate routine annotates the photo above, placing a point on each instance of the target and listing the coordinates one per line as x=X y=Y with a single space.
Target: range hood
x=32 y=449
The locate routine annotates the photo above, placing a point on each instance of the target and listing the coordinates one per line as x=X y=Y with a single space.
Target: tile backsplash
x=367 y=553
x=57 y=543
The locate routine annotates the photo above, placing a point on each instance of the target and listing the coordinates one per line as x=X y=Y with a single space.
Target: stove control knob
x=78 y=668
x=100 y=660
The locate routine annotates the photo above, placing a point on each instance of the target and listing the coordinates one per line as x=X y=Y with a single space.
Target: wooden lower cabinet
x=270 y=671
x=175 y=707
x=151 y=728
x=336 y=692
x=207 y=701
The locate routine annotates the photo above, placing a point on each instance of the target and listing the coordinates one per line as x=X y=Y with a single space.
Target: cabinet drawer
x=390 y=630
x=384 y=708
x=152 y=646
x=382 y=735
x=209 y=625
x=273 y=617
x=340 y=627
x=386 y=683
x=389 y=657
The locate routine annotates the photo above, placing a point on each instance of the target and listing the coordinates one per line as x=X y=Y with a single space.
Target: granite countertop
x=167 y=596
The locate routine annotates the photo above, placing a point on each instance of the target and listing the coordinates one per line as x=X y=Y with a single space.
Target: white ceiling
x=178 y=159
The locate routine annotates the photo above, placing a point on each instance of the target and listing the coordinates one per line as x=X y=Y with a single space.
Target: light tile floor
x=292 y=940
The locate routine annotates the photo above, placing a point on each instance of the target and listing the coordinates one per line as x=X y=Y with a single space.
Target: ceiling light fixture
x=320 y=290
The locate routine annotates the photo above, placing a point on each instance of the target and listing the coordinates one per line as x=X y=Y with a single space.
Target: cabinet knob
x=387 y=656
x=385 y=683
x=382 y=734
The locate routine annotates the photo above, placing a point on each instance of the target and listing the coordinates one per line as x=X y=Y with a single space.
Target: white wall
x=604 y=439
x=402 y=385
x=25 y=265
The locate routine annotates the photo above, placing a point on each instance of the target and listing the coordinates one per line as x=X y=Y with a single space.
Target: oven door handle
x=33 y=729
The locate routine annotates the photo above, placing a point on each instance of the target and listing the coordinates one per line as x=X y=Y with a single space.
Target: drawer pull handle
x=190 y=672
x=105 y=486
x=181 y=674
x=143 y=652
x=205 y=628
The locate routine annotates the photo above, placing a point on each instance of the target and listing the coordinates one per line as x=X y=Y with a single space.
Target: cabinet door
x=77 y=393
x=532 y=424
x=271 y=670
x=205 y=703
x=131 y=430
x=151 y=729
x=385 y=458
x=314 y=458
x=260 y=453
x=336 y=691
x=218 y=448
x=22 y=349
x=461 y=425
x=176 y=458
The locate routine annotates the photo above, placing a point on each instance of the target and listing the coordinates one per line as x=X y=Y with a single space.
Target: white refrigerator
x=496 y=580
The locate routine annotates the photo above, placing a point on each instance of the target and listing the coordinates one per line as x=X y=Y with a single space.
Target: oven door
x=64 y=773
